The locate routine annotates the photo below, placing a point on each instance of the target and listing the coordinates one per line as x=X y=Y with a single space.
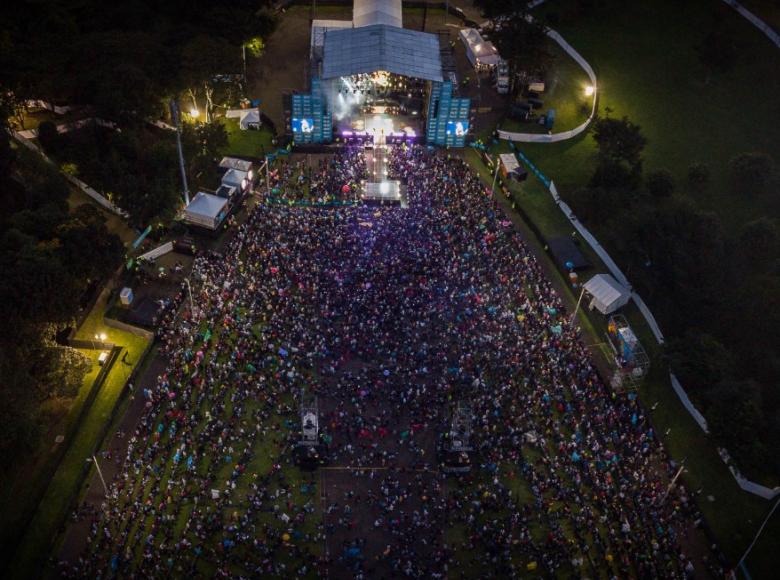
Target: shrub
x=660 y=183
x=751 y=172
x=698 y=175
x=49 y=137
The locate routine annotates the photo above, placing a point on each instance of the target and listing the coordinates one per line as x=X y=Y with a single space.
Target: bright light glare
x=589 y=90
x=194 y=112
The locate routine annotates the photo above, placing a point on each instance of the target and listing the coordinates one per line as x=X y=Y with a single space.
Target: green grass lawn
x=564 y=91
x=648 y=69
x=22 y=487
x=54 y=507
x=249 y=143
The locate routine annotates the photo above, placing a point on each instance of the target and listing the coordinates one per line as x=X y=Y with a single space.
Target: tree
x=619 y=140
x=660 y=183
x=751 y=172
x=698 y=176
x=48 y=136
x=700 y=361
x=759 y=239
x=523 y=44
x=202 y=59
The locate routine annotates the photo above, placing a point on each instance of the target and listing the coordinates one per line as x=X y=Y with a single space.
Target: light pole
x=177 y=124
x=100 y=473
x=674 y=480
x=189 y=290
x=495 y=176
x=576 y=308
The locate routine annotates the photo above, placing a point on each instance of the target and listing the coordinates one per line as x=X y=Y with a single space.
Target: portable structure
x=455 y=445
x=511 y=168
x=236 y=163
x=481 y=53
x=310 y=452
x=206 y=211
x=607 y=294
x=631 y=360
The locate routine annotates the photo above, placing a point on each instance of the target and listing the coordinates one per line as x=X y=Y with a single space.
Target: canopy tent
x=511 y=168
x=607 y=293
x=480 y=52
x=250 y=119
x=206 y=210
x=567 y=254
x=368 y=12
x=236 y=163
x=379 y=47
x=235 y=178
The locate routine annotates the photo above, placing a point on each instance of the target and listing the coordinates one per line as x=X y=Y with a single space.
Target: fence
x=743 y=483
x=770 y=32
x=98 y=198
x=555 y=137
x=157 y=252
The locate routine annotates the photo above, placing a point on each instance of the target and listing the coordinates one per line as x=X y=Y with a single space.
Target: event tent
x=206 y=210
x=607 y=294
x=250 y=119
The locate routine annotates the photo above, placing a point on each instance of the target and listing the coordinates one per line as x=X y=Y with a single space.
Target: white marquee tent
x=607 y=295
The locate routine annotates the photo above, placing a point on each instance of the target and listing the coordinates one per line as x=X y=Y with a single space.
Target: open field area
x=686 y=116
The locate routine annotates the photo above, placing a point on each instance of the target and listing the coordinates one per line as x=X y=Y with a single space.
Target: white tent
x=238 y=179
x=607 y=294
x=206 y=210
x=250 y=119
x=236 y=163
x=481 y=53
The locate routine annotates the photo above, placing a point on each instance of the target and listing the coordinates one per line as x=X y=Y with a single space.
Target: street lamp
x=94 y=460
x=194 y=112
x=589 y=90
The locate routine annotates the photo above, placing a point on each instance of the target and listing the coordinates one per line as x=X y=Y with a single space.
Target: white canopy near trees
x=607 y=295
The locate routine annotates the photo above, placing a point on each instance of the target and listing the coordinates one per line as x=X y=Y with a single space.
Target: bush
x=698 y=175
x=49 y=137
x=751 y=172
x=660 y=183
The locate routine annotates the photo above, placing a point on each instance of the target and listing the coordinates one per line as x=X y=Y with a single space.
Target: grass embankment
x=64 y=485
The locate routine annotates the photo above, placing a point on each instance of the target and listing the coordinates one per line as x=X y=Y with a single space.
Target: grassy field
x=649 y=70
x=564 y=91
x=66 y=482
x=246 y=143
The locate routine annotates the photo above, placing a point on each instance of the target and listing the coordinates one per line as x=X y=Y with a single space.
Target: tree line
x=120 y=61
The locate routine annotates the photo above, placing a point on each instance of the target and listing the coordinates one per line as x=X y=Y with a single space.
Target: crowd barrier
x=555 y=137
x=770 y=32
x=306 y=203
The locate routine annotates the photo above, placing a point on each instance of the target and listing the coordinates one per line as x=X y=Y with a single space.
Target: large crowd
x=320 y=178
x=389 y=317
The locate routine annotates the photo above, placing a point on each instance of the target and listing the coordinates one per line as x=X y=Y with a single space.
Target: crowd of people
x=320 y=178
x=389 y=318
